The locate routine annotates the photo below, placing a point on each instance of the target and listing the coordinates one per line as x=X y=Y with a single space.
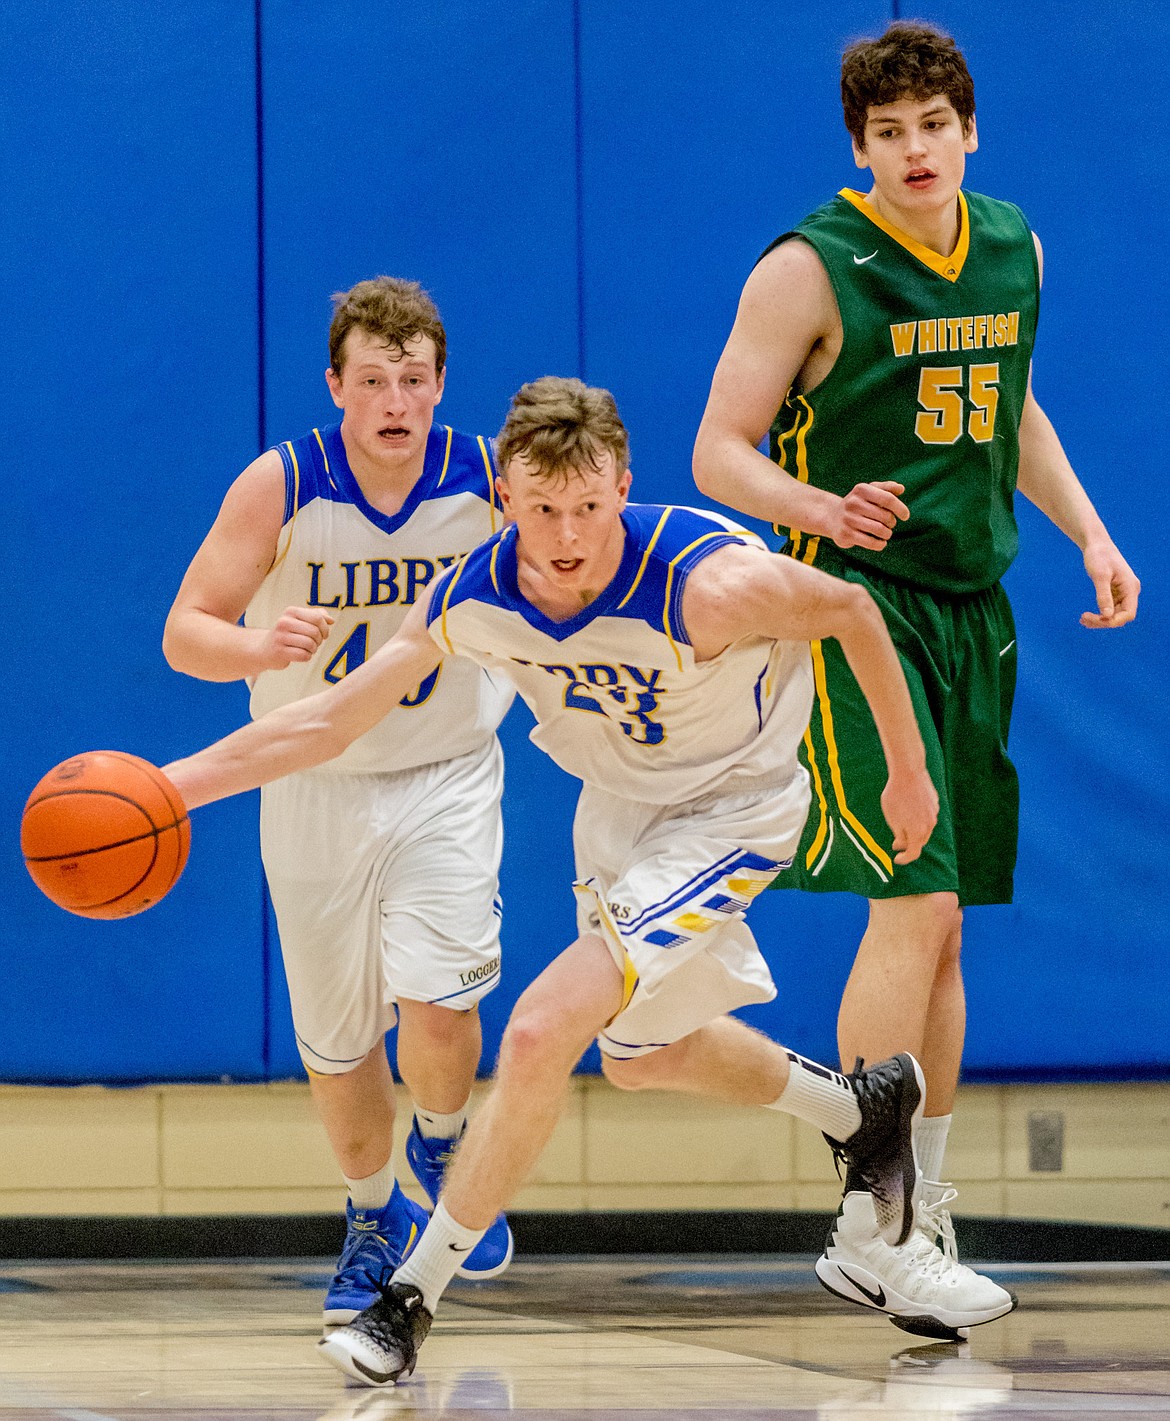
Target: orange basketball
x=105 y=835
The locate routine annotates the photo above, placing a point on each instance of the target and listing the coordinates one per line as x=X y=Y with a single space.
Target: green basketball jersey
x=928 y=389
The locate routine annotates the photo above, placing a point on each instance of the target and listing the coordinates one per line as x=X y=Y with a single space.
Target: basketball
x=105 y=835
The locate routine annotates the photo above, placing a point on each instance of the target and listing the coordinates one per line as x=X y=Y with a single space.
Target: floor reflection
x=631 y=1338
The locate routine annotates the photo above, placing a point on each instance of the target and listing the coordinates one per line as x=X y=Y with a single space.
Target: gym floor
x=678 y=1337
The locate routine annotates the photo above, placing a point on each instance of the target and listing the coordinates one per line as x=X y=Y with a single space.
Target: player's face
x=917 y=152
x=570 y=529
x=388 y=395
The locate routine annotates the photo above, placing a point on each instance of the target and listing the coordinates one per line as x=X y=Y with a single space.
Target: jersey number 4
x=940 y=394
x=352 y=653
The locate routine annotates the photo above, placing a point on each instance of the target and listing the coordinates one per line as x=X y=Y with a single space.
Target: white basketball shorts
x=667 y=888
x=385 y=887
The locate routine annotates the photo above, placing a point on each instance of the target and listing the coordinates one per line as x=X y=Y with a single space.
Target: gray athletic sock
x=374 y=1191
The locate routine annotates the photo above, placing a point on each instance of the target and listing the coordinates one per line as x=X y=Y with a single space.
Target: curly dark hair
x=391 y=310
x=911 y=60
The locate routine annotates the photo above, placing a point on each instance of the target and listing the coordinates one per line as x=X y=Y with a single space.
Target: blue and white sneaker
x=429 y=1160
x=376 y=1243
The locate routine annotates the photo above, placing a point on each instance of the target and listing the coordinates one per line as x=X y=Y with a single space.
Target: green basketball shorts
x=959 y=657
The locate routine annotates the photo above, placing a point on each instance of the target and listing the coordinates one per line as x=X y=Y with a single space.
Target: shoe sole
x=899 y=1309
x=334 y=1350
x=338 y=1317
x=481 y=1274
x=923 y=1325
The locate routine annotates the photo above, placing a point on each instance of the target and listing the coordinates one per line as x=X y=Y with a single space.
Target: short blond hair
x=560 y=426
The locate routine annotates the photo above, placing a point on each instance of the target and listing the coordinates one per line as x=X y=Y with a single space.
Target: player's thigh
x=439 y=891
x=668 y=888
x=984 y=787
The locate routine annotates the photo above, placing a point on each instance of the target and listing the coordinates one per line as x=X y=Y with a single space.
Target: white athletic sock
x=822 y=1097
x=930 y=1144
x=375 y=1190
x=442 y=1248
x=433 y=1126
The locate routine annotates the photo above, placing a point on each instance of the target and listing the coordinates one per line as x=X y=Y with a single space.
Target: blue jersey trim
x=675 y=899
x=662 y=546
x=464 y=990
x=454 y=464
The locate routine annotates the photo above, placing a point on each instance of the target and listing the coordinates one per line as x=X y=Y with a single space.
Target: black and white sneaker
x=923 y=1287
x=380 y=1346
x=880 y=1153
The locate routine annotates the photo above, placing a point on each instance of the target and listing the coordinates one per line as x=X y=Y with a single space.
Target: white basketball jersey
x=369 y=568
x=618 y=697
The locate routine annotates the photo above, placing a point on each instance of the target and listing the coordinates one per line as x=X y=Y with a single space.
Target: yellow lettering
x=981 y=331
x=954 y=326
x=927 y=331
x=1013 y=324
x=968 y=323
x=1001 y=330
x=902 y=334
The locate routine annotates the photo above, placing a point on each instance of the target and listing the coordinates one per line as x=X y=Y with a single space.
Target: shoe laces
x=933 y=1221
x=363 y=1258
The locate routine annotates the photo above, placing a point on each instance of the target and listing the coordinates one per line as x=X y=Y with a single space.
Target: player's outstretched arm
x=787 y=309
x=310 y=731
x=202 y=636
x=739 y=592
x=1046 y=478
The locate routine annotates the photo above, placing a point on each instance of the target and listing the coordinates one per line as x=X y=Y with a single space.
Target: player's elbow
x=174 y=646
x=706 y=465
x=853 y=610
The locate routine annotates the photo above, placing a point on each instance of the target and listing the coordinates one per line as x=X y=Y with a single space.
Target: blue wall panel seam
x=579 y=164
x=261 y=402
x=262 y=435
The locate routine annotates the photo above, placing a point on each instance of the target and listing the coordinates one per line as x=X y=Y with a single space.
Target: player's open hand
x=1115 y=584
x=298 y=632
x=868 y=514
x=910 y=804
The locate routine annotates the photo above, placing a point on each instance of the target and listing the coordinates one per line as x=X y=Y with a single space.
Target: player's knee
x=953 y=941
x=440 y=1026
x=926 y=925
x=532 y=1045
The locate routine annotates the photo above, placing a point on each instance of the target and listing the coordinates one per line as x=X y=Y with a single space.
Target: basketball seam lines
x=151 y=833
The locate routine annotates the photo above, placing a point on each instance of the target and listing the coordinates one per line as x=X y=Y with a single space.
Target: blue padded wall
x=723 y=138
x=1074 y=975
x=466 y=183
x=701 y=141
x=584 y=187
x=128 y=375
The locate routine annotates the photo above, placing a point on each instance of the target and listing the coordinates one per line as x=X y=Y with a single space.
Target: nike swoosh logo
x=457 y=1248
x=1008 y=648
x=877 y=1298
x=861 y=261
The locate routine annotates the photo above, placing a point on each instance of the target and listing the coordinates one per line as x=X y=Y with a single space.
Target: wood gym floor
x=634 y=1337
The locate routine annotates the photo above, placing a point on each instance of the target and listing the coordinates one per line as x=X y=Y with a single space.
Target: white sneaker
x=923 y=1288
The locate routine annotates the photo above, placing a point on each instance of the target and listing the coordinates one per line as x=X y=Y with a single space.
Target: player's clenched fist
x=298 y=632
x=868 y=514
x=910 y=804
